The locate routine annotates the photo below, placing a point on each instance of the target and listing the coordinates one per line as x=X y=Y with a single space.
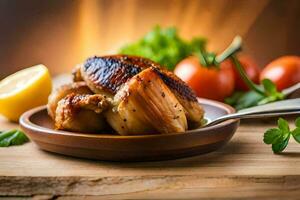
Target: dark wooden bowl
x=103 y=146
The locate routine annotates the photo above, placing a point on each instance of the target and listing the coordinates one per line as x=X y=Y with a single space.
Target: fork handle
x=285 y=107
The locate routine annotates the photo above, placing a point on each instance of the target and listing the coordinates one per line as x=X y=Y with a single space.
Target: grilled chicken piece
x=145 y=104
x=60 y=93
x=106 y=75
x=81 y=112
x=186 y=97
x=74 y=107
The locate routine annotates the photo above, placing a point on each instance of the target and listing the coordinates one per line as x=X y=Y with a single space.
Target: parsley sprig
x=164 y=46
x=279 y=137
x=12 y=137
x=241 y=100
x=261 y=94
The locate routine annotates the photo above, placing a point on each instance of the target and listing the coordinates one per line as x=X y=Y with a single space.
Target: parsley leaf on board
x=280 y=145
x=297 y=122
x=296 y=134
x=12 y=137
x=279 y=137
x=272 y=135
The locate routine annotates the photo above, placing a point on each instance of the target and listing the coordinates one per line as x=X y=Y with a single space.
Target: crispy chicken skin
x=146 y=105
x=61 y=92
x=81 y=112
x=107 y=74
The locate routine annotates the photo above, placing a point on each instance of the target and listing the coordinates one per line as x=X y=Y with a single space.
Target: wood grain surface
x=245 y=168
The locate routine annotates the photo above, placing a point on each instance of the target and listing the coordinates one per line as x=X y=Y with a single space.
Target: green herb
x=241 y=100
x=244 y=76
x=259 y=94
x=12 y=137
x=279 y=137
x=164 y=46
x=207 y=59
x=270 y=92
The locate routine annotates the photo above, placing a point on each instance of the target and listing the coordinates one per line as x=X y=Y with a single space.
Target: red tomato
x=211 y=83
x=284 y=71
x=251 y=68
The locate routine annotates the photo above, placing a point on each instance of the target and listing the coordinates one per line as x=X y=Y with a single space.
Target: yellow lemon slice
x=24 y=90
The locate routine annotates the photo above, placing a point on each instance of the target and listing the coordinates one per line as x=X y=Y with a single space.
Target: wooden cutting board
x=245 y=168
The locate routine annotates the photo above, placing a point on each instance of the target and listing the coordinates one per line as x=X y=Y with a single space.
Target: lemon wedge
x=24 y=90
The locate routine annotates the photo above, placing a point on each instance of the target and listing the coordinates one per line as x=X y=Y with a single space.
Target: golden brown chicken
x=141 y=97
x=109 y=75
x=81 y=112
x=74 y=107
x=64 y=90
x=146 y=105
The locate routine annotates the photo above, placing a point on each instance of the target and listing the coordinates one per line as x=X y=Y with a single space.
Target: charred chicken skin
x=140 y=96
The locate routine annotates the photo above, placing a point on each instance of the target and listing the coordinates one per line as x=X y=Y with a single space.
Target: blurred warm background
x=62 y=33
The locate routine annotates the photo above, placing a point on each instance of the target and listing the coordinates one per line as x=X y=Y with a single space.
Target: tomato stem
x=244 y=76
x=233 y=48
x=202 y=58
x=230 y=52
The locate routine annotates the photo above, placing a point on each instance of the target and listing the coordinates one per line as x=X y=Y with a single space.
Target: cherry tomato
x=207 y=82
x=251 y=68
x=283 y=71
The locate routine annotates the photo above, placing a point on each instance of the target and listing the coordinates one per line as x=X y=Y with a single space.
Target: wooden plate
x=39 y=127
